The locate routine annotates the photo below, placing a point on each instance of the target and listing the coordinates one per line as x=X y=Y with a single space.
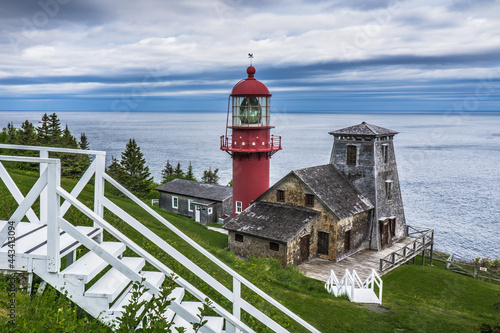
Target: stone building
x=204 y=203
x=356 y=197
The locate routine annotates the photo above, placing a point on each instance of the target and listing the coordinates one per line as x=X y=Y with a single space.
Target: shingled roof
x=272 y=221
x=197 y=190
x=331 y=187
x=365 y=130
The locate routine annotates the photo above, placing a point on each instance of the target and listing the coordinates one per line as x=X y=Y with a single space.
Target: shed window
x=238 y=237
x=175 y=202
x=190 y=205
x=274 y=246
x=309 y=200
x=210 y=210
x=323 y=242
x=351 y=155
x=280 y=195
x=239 y=207
x=385 y=153
x=388 y=189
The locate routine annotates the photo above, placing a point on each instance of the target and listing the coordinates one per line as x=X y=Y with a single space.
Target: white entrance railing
x=355 y=289
x=48 y=189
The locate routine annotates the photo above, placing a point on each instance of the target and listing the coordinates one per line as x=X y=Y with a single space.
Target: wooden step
x=215 y=323
x=88 y=266
x=27 y=236
x=111 y=284
x=67 y=243
x=155 y=278
x=177 y=294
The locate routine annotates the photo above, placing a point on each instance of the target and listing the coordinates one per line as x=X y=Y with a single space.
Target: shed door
x=304 y=248
x=384 y=232
x=197 y=213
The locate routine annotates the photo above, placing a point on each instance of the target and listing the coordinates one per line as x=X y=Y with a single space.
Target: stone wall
x=257 y=247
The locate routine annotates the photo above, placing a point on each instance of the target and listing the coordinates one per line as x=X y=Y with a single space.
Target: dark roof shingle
x=272 y=221
x=334 y=190
x=364 y=129
x=198 y=190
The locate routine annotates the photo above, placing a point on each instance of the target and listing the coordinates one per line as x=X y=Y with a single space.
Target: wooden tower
x=364 y=153
x=250 y=144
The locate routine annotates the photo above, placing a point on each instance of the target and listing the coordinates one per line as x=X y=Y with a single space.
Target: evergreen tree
x=167 y=174
x=178 y=173
x=189 y=174
x=11 y=133
x=210 y=177
x=70 y=166
x=43 y=131
x=84 y=159
x=84 y=143
x=137 y=176
x=27 y=134
x=54 y=130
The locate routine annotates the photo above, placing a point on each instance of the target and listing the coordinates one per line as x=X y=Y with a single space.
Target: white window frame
x=210 y=210
x=239 y=207
x=190 y=201
x=175 y=202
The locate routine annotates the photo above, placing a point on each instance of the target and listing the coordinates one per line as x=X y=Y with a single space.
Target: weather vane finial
x=250 y=56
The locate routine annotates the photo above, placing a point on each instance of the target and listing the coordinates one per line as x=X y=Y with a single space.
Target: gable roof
x=364 y=129
x=331 y=187
x=272 y=221
x=197 y=190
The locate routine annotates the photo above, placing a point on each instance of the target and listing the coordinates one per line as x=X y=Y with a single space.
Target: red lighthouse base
x=250 y=178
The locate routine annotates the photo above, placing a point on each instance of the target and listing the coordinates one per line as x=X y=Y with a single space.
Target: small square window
x=239 y=207
x=280 y=195
x=274 y=246
x=309 y=200
x=351 y=155
x=175 y=202
x=238 y=237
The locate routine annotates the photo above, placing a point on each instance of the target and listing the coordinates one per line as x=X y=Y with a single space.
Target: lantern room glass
x=251 y=111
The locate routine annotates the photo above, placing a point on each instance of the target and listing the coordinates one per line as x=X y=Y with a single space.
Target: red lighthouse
x=251 y=144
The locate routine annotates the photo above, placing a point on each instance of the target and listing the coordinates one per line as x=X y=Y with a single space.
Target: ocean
x=448 y=163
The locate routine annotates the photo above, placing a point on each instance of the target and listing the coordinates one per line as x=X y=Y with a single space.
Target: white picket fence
x=58 y=238
x=356 y=290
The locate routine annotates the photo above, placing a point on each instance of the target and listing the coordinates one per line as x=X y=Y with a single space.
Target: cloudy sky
x=365 y=55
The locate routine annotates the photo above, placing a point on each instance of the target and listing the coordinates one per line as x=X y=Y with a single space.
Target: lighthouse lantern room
x=250 y=144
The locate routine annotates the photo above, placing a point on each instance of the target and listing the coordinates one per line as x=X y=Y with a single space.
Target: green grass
x=415 y=298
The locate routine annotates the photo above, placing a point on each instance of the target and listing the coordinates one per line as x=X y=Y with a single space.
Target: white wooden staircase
x=356 y=290
x=100 y=281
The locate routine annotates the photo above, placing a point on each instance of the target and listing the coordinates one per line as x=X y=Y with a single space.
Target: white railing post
x=100 y=165
x=53 y=204
x=44 y=153
x=236 y=305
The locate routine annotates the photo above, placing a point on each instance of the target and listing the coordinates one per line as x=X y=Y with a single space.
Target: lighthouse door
x=197 y=213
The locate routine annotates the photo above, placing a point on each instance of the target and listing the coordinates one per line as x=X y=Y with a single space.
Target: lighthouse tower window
x=351 y=155
x=385 y=153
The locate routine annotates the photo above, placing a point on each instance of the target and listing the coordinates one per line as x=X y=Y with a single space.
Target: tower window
x=238 y=237
x=280 y=195
x=385 y=153
x=274 y=246
x=239 y=207
x=309 y=200
x=392 y=222
x=388 y=189
x=351 y=155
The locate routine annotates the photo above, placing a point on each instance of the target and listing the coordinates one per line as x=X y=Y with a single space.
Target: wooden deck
x=363 y=262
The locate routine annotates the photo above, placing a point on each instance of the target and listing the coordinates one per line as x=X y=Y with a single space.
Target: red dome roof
x=250 y=86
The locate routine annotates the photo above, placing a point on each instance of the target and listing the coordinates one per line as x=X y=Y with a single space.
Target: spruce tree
x=54 y=130
x=70 y=165
x=137 y=177
x=43 y=131
x=189 y=174
x=178 y=173
x=167 y=174
x=210 y=177
x=84 y=160
x=27 y=134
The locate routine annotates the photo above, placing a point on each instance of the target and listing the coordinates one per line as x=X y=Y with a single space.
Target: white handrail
x=53 y=149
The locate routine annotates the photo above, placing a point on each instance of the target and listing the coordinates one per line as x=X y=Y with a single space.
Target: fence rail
x=424 y=238
x=452 y=264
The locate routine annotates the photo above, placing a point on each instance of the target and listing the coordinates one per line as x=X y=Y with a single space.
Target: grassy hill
x=415 y=298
